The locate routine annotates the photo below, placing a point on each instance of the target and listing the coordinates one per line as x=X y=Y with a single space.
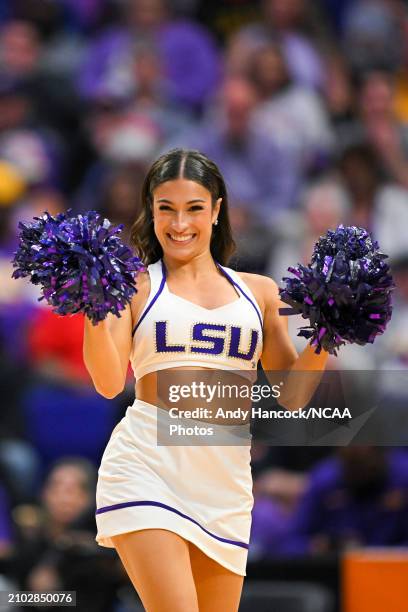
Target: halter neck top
x=173 y=331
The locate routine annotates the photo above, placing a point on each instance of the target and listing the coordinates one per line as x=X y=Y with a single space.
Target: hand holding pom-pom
x=345 y=291
x=80 y=263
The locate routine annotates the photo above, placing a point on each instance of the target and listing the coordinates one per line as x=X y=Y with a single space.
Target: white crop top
x=173 y=331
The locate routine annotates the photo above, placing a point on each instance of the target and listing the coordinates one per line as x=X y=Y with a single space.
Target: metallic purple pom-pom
x=345 y=291
x=80 y=263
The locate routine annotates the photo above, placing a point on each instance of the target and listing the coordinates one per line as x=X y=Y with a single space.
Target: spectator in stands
x=36 y=55
x=261 y=175
x=359 y=497
x=67 y=494
x=375 y=203
x=66 y=497
x=285 y=22
x=373 y=35
x=115 y=135
x=33 y=148
x=377 y=124
x=187 y=50
x=56 y=541
x=33 y=101
x=150 y=97
x=339 y=94
x=129 y=127
x=276 y=494
x=323 y=205
x=290 y=112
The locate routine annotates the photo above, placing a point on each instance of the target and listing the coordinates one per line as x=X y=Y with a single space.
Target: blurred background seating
x=304 y=106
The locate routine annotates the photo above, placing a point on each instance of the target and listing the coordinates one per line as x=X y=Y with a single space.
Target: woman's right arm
x=108 y=344
x=106 y=350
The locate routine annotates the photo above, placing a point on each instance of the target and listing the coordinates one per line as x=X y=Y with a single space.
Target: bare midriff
x=146 y=389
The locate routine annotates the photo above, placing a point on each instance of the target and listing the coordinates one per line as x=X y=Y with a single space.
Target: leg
x=217 y=587
x=158 y=564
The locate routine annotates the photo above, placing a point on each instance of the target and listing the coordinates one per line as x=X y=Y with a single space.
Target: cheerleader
x=179 y=517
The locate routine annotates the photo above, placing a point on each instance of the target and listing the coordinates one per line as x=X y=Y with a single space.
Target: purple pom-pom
x=345 y=291
x=80 y=263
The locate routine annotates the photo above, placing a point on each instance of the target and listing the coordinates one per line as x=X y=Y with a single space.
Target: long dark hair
x=194 y=166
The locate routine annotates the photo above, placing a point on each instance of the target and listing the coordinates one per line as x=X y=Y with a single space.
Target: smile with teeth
x=184 y=238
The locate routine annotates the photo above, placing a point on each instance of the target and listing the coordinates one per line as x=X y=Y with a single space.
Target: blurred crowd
x=304 y=107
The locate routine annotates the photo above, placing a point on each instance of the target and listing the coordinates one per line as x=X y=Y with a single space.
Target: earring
x=215 y=222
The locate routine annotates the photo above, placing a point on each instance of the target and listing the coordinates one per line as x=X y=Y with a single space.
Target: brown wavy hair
x=194 y=166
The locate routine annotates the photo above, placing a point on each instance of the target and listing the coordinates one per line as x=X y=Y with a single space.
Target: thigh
x=158 y=564
x=217 y=587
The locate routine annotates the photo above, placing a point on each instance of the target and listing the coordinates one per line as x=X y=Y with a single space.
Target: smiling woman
x=179 y=515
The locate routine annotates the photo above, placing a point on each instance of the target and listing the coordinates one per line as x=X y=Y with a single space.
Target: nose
x=180 y=221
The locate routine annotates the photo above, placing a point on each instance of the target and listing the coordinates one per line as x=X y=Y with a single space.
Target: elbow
x=109 y=393
x=105 y=394
x=107 y=388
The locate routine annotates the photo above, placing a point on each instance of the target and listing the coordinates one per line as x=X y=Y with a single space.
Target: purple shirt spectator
x=305 y=65
x=188 y=52
x=338 y=511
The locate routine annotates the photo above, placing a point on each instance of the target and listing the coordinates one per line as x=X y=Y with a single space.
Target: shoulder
x=258 y=281
x=263 y=287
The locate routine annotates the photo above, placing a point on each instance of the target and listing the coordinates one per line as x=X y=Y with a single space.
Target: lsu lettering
x=208 y=338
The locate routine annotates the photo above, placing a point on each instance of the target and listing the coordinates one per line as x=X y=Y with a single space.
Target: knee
x=158 y=565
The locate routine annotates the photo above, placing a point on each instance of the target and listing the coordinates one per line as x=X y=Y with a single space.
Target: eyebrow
x=189 y=202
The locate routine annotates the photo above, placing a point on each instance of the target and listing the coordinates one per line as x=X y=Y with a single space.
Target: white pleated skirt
x=201 y=492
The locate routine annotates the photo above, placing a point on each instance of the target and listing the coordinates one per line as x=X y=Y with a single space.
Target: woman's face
x=183 y=217
x=65 y=496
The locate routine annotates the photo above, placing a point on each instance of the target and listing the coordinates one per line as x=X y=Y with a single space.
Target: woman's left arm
x=302 y=373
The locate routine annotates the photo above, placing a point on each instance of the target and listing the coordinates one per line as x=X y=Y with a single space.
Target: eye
x=164 y=207
x=197 y=207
